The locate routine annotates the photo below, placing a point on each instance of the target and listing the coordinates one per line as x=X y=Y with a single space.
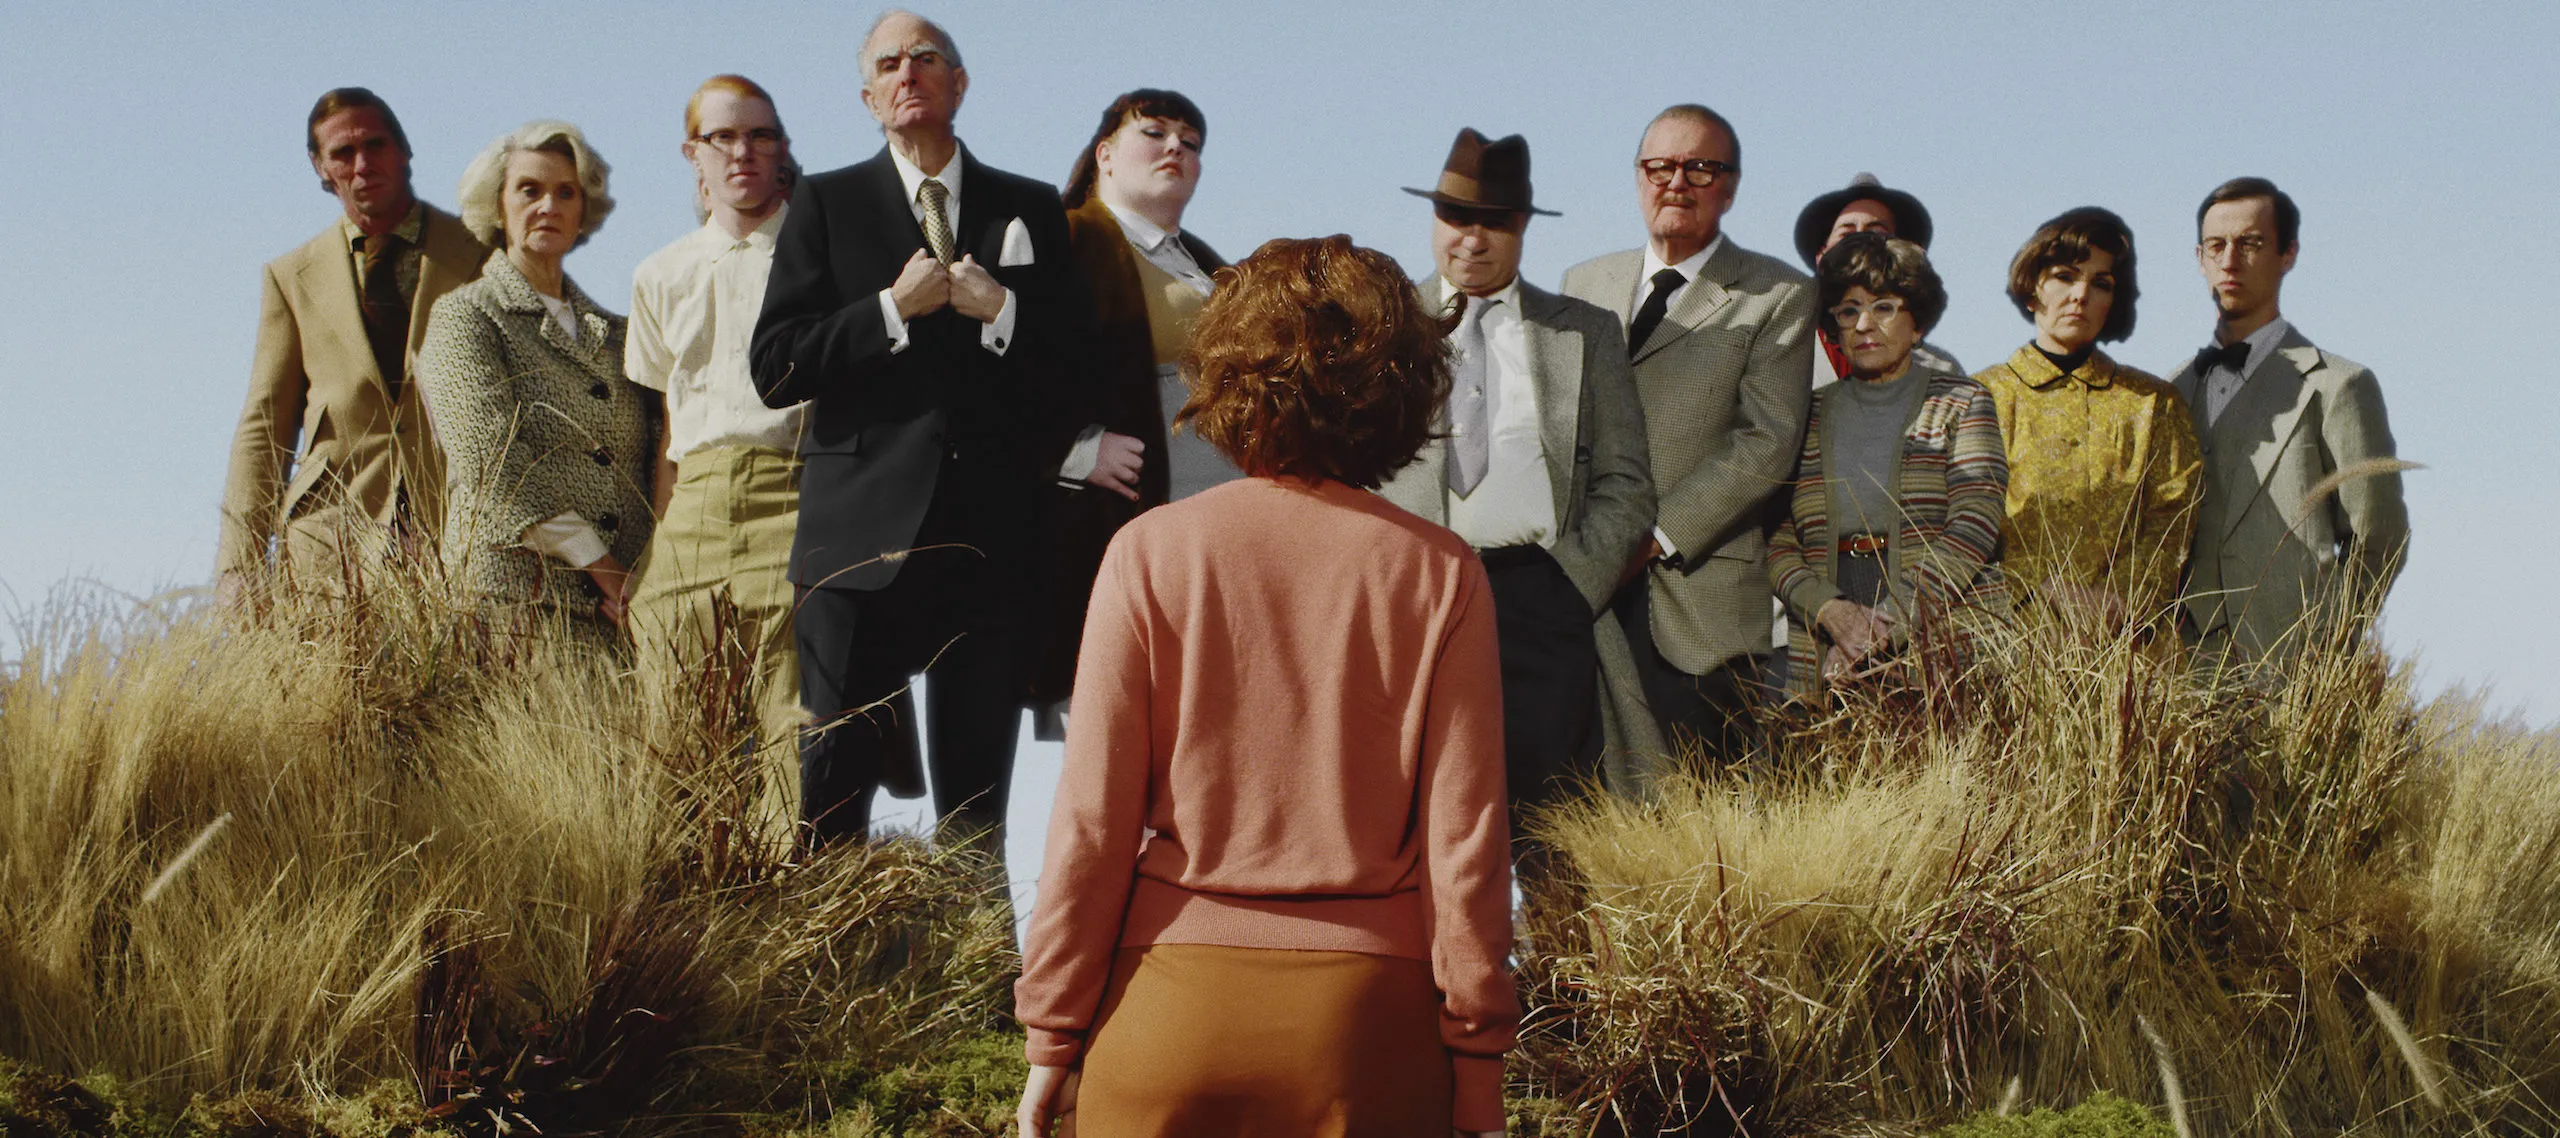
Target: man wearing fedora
x=1865 y=205
x=1543 y=468
x=1722 y=339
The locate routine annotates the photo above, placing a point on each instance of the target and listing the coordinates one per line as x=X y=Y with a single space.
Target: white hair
x=484 y=180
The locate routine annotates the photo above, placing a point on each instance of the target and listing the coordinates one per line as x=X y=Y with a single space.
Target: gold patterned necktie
x=936 y=199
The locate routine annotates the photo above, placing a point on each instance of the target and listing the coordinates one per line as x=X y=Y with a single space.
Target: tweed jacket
x=1591 y=426
x=1077 y=523
x=534 y=426
x=1942 y=564
x=2263 y=553
x=322 y=447
x=1722 y=381
x=2103 y=476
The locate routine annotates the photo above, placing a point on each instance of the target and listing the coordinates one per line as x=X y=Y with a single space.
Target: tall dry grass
x=368 y=837
x=2285 y=903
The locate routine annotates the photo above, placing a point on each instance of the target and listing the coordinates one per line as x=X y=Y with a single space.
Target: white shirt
x=1689 y=269
x=693 y=316
x=563 y=315
x=1515 y=504
x=2222 y=383
x=998 y=333
x=1162 y=248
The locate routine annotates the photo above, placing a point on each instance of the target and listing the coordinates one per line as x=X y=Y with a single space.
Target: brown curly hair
x=1316 y=359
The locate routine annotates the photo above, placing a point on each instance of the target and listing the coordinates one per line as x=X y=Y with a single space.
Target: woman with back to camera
x=1149 y=276
x=1276 y=899
x=1893 y=529
x=549 y=451
x=2104 y=472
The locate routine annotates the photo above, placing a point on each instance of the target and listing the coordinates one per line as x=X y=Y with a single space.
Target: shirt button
x=600 y=391
x=999 y=341
x=603 y=457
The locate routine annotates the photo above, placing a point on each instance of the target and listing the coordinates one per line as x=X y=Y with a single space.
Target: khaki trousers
x=727 y=534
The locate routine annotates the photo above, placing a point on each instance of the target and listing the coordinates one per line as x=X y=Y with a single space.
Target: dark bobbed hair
x=1143 y=103
x=1885 y=266
x=2068 y=240
x=338 y=99
x=1696 y=113
x=2288 y=216
x=1316 y=359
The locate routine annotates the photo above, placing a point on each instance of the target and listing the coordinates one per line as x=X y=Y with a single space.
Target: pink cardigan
x=1287 y=733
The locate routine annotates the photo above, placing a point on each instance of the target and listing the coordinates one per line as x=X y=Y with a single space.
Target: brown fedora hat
x=1485 y=175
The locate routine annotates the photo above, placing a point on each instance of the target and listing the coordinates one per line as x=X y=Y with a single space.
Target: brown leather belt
x=1863 y=545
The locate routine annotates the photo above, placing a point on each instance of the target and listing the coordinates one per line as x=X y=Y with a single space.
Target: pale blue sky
x=155 y=160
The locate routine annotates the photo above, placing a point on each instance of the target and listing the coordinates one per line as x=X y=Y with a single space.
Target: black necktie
x=1656 y=303
x=2234 y=355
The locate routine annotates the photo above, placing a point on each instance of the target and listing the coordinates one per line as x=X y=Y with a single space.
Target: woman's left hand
x=615 y=583
x=1049 y=1100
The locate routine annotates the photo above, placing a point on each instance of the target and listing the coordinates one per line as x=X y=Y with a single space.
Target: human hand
x=1117 y=463
x=974 y=291
x=1651 y=553
x=614 y=582
x=1856 y=633
x=923 y=286
x=1048 y=1099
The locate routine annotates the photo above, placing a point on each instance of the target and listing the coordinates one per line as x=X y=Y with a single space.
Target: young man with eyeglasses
x=728 y=489
x=1722 y=339
x=2277 y=417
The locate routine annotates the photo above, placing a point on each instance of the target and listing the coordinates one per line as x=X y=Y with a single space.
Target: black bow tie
x=2234 y=355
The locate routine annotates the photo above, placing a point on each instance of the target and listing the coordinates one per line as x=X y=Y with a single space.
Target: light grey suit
x=1722 y=381
x=1592 y=428
x=2263 y=555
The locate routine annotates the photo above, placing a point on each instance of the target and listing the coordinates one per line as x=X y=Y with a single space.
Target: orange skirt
x=1197 y=1039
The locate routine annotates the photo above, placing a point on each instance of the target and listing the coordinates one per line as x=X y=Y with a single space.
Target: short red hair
x=734 y=84
x=1316 y=359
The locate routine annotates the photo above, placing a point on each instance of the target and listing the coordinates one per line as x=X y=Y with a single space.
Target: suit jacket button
x=603 y=457
x=609 y=521
x=600 y=391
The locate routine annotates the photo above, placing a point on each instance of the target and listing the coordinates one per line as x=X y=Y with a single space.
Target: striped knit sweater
x=1942 y=562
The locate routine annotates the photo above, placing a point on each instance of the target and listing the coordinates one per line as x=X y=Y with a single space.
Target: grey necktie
x=1470 y=403
x=936 y=199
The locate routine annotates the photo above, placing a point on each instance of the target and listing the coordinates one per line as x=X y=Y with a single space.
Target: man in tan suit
x=1544 y=469
x=333 y=448
x=2277 y=417
x=1722 y=339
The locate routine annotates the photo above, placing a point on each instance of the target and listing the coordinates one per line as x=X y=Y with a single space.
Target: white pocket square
x=1017 y=245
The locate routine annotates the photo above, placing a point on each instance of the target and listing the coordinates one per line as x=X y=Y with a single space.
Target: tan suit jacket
x=322 y=450
x=1591 y=426
x=1723 y=385
x=2263 y=556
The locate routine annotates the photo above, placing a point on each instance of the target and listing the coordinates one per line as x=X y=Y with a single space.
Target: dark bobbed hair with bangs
x=1316 y=359
x=1143 y=103
x=1885 y=266
x=2067 y=240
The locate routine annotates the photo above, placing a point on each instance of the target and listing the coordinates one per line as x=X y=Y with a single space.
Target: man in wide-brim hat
x=1543 y=469
x=1865 y=205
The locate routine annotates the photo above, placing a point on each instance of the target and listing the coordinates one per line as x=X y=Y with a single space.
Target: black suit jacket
x=881 y=426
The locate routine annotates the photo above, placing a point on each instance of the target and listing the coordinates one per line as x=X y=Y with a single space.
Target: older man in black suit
x=923 y=305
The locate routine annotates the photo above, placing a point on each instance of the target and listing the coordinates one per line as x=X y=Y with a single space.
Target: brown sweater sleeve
x=1467 y=854
x=1095 y=827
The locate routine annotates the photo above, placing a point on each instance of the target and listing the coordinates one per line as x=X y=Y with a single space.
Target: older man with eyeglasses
x=728 y=487
x=1722 y=339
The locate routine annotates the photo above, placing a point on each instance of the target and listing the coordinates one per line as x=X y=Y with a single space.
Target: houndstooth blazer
x=1724 y=391
x=533 y=426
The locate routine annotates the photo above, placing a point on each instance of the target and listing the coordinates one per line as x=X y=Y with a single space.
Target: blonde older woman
x=549 y=451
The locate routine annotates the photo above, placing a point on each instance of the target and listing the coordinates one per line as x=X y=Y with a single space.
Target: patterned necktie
x=1470 y=403
x=1656 y=303
x=936 y=199
x=386 y=315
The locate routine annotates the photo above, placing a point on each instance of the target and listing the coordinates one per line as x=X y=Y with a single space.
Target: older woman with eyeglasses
x=2105 y=473
x=549 y=452
x=1893 y=530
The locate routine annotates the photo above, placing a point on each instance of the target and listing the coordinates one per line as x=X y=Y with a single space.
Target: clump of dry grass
x=2299 y=904
x=368 y=837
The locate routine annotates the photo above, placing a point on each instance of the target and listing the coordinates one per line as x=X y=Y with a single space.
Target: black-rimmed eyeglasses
x=1699 y=172
x=762 y=140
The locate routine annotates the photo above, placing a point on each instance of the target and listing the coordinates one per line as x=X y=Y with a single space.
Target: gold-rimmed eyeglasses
x=2245 y=247
x=1700 y=172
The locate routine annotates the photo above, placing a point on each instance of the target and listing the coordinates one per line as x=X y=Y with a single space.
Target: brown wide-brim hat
x=1485 y=175
x=1910 y=218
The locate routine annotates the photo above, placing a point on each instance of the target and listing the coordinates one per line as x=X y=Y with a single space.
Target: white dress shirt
x=693 y=316
x=1689 y=268
x=1515 y=504
x=2221 y=383
x=1164 y=249
x=998 y=333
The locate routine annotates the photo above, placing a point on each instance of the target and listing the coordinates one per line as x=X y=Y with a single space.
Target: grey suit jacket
x=1722 y=381
x=1592 y=428
x=2263 y=555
